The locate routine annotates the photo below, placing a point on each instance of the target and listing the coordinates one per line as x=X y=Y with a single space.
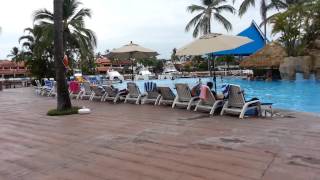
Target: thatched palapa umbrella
x=271 y=56
x=132 y=51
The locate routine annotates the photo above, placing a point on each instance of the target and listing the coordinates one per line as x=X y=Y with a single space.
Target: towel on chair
x=225 y=90
x=74 y=87
x=150 y=86
x=204 y=92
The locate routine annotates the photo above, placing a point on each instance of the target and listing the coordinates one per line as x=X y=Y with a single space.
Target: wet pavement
x=126 y=141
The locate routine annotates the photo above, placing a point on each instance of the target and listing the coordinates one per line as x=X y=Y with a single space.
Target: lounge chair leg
x=223 y=108
x=125 y=101
x=213 y=109
x=189 y=105
x=138 y=100
x=196 y=109
x=159 y=103
x=174 y=102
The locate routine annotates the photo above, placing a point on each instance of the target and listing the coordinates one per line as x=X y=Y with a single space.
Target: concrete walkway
x=135 y=142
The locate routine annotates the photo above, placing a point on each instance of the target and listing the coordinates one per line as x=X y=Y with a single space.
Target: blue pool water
x=299 y=95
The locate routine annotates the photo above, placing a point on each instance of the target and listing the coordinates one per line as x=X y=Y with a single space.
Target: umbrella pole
x=132 y=74
x=214 y=73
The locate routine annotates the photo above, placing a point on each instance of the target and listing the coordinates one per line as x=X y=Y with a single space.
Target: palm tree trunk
x=265 y=29
x=63 y=99
x=264 y=18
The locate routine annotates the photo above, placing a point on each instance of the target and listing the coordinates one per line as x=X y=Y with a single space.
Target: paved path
x=134 y=142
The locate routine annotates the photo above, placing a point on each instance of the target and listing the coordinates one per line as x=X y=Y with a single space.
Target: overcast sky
x=156 y=24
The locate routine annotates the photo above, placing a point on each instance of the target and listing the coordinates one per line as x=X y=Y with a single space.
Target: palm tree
x=283 y=5
x=14 y=54
x=63 y=100
x=210 y=9
x=265 y=6
x=28 y=41
x=76 y=37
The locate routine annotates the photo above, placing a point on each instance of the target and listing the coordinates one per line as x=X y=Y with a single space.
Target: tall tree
x=77 y=38
x=38 y=53
x=263 y=10
x=265 y=6
x=63 y=101
x=208 y=10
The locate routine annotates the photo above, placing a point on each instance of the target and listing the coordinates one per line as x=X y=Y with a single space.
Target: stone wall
x=302 y=64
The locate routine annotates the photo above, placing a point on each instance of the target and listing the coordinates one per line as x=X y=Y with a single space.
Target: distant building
x=10 y=69
x=104 y=64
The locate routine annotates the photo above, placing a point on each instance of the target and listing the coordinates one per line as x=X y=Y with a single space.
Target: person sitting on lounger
x=210 y=85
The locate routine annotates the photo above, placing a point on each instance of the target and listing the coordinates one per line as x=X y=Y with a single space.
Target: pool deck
x=136 y=142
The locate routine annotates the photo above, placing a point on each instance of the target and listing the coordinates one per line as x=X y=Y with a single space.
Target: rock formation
x=303 y=64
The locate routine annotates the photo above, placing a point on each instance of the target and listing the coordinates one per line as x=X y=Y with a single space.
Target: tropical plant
x=312 y=22
x=63 y=99
x=228 y=60
x=37 y=52
x=76 y=37
x=209 y=10
x=174 y=57
x=14 y=54
x=290 y=25
x=265 y=6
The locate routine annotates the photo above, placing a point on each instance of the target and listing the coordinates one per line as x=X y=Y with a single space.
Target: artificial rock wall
x=302 y=64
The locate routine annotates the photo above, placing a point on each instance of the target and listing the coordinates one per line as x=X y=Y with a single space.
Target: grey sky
x=157 y=24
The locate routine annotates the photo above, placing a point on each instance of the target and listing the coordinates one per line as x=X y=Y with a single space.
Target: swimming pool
x=300 y=95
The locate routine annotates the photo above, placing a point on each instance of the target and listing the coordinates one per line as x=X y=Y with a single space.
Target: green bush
x=55 y=112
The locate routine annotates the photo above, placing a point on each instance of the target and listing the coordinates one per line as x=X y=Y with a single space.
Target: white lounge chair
x=184 y=97
x=113 y=94
x=47 y=88
x=236 y=103
x=38 y=87
x=86 y=91
x=97 y=93
x=167 y=96
x=134 y=93
x=53 y=90
x=208 y=101
x=152 y=94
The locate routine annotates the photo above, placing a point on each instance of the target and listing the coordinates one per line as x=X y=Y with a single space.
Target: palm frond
x=245 y=6
x=193 y=8
x=227 y=8
x=227 y=25
x=42 y=15
x=193 y=22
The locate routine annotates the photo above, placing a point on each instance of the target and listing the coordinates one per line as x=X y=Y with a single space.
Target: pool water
x=299 y=95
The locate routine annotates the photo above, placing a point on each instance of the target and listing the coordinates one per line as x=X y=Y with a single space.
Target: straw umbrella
x=211 y=43
x=132 y=51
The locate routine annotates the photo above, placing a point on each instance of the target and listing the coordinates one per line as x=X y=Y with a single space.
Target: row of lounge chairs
x=234 y=104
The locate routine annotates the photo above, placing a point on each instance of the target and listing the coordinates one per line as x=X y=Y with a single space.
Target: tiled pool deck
x=134 y=142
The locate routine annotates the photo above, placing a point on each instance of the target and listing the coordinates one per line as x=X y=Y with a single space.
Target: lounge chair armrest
x=252 y=102
x=195 y=98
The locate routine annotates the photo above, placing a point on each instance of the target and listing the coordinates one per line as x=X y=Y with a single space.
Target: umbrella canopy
x=132 y=51
x=211 y=43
